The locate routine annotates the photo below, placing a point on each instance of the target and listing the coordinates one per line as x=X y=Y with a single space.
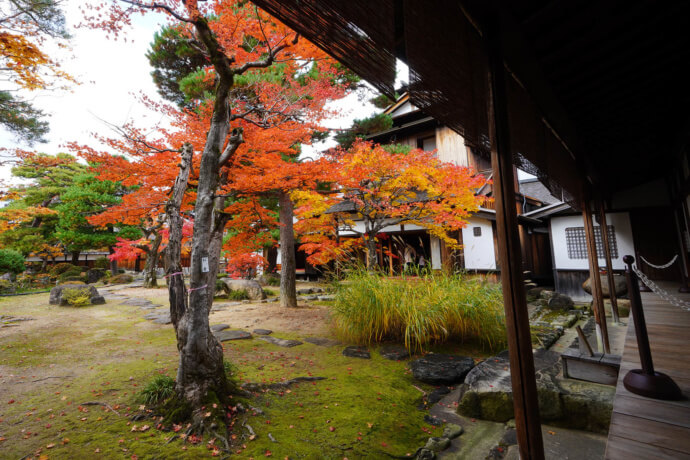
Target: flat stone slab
x=441 y=369
x=326 y=298
x=219 y=327
x=281 y=342
x=224 y=336
x=357 y=352
x=322 y=341
x=394 y=352
x=262 y=331
x=163 y=319
x=137 y=302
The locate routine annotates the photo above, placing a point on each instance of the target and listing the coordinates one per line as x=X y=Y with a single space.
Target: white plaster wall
x=359 y=227
x=436 y=253
x=479 y=250
x=624 y=240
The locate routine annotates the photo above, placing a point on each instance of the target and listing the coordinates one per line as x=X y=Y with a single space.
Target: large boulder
x=487 y=394
x=619 y=283
x=57 y=294
x=561 y=302
x=441 y=369
x=93 y=275
x=253 y=288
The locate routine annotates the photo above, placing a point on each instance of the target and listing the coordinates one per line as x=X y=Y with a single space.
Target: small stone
x=304 y=291
x=452 y=431
x=357 y=352
x=326 y=298
x=224 y=336
x=311 y=297
x=262 y=331
x=425 y=454
x=163 y=319
x=437 y=444
x=441 y=369
x=322 y=341
x=437 y=395
x=432 y=420
x=394 y=352
x=561 y=302
x=281 y=342
x=219 y=327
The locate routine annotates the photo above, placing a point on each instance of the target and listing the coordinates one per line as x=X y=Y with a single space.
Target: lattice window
x=576 y=241
x=477 y=231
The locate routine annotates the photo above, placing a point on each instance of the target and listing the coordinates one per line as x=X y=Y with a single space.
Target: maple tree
x=25 y=26
x=380 y=187
x=267 y=92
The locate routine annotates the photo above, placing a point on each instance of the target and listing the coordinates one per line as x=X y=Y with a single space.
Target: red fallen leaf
x=331 y=428
x=268 y=453
x=500 y=449
x=120 y=441
x=314 y=430
x=177 y=428
x=11 y=401
x=134 y=457
x=383 y=444
x=268 y=422
x=359 y=438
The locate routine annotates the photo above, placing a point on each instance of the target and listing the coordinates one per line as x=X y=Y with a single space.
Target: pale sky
x=112 y=74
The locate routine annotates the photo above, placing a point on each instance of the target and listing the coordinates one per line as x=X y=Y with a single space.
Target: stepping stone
x=357 y=352
x=281 y=342
x=219 y=327
x=432 y=420
x=441 y=369
x=262 y=331
x=149 y=307
x=304 y=291
x=437 y=395
x=394 y=352
x=322 y=341
x=326 y=298
x=153 y=315
x=224 y=336
x=163 y=319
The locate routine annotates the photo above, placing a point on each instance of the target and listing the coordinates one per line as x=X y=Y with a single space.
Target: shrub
x=11 y=261
x=72 y=273
x=221 y=275
x=158 y=390
x=101 y=262
x=417 y=312
x=270 y=293
x=239 y=294
x=59 y=269
x=6 y=286
x=77 y=297
x=122 y=278
x=272 y=280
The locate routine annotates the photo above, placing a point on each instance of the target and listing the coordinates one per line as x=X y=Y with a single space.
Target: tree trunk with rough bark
x=288 y=284
x=372 y=259
x=150 y=279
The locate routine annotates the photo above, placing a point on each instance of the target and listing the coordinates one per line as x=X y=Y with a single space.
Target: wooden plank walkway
x=643 y=428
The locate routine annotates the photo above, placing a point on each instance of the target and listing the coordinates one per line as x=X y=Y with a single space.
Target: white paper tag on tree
x=204 y=265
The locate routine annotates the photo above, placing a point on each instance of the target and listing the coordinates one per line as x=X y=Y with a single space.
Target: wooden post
x=525 y=401
x=683 y=253
x=390 y=255
x=609 y=266
x=597 y=297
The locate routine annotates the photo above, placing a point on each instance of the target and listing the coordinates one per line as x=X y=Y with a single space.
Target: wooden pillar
x=525 y=401
x=597 y=297
x=390 y=255
x=609 y=266
x=684 y=265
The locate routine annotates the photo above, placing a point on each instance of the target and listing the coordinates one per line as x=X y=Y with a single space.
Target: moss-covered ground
x=65 y=357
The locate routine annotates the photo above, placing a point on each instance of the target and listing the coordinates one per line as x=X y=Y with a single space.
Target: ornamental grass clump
x=419 y=311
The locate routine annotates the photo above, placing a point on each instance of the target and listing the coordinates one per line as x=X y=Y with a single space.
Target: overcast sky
x=112 y=74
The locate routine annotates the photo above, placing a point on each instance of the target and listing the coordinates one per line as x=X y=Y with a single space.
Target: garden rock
x=425 y=454
x=304 y=291
x=441 y=369
x=357 y=352
x=452 y=431
x=121 y=279
x=224 y=336
x=437 y=395
x=560 y=302
x=535 y=291
x=322 y=341
x=437 y=444
x=487 y=394
x=433 y=420
x=394 y=352
x=253 y=287
x=281 y=342
x=219 y=327
x=163 y=319
x=620 y=285
x=56 y=294
x=326 y=298
x=546 y=294
x=93 y=275
x=262 y=331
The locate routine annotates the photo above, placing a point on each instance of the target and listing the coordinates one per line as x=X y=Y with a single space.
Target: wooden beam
x=525 y=401
x=609 y=266
x=597 y=297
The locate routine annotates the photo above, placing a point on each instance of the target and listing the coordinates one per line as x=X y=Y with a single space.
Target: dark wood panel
x=655 y=239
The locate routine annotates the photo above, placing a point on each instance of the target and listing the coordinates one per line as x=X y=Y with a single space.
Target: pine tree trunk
x=288 y=285
x=150 y=280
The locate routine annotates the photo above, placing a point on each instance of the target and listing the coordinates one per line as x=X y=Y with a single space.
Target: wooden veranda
x=589 y=96
x=650 y=428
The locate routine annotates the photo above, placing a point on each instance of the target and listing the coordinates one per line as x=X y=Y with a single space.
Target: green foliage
x=77 y=297
x=22 y=119
x=60 y=268
x=433 y=308
x=269 y=292
x=272 y=280
x=220 y=286
x=174 y=60
x=11 y=261
x=239 y=294
x=158 y=390
x=6 y=286
x=72 y=273
x=402 y=149
x=101 y=262
x=362 y=128
x=221 y=275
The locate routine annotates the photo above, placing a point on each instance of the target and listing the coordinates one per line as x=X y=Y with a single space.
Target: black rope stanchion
x=645 y=381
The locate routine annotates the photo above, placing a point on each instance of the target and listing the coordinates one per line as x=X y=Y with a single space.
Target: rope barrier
x=196 y=289
x=660 y=267
x=670 y=298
